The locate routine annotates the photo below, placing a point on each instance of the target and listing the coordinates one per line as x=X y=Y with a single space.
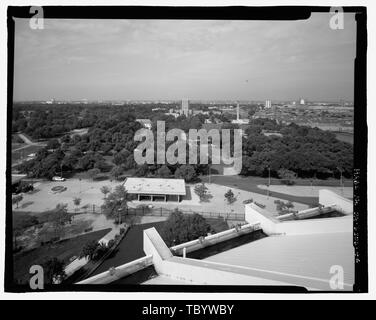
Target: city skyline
x=167 y=60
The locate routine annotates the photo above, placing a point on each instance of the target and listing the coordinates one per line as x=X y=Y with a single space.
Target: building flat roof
x=155 y=186
x=304 y=260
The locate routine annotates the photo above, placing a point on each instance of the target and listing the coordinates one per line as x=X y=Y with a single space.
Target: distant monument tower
x=238 y=120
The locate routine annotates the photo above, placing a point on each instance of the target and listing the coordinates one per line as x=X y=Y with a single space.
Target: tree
x=287 y=176
x=66 y=138
x=164 y=172
x=53 y=270
x=230 y=197
x=76 y=202
x=53 y=144
x=105 y=190
x=284 y=207
x=116 y=172
x=17 y=199
x=121 y=157
x=89 y=250
x=93 y=173
x=202 y=191
x=59 y=217
x=186 y=172
x=181 y=228
x=116 y=202
x=142 y=170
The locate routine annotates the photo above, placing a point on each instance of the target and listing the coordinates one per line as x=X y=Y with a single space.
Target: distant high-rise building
x=185 y=107
x=302 y=101
x=268 y=104
x=50 y=101
x=237 y=112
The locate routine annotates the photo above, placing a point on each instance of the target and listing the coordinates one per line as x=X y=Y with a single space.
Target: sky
x=175 y=59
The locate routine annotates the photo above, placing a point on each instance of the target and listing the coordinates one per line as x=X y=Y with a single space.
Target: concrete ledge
x=343 y=205
x=272 y=226
x=119 y=272
x=196 y=244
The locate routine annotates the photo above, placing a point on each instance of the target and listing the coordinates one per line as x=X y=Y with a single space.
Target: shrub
x=181 y=228
x=111 y=243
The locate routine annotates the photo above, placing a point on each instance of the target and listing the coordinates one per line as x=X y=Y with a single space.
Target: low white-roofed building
x=156 y=189
x=146 y=123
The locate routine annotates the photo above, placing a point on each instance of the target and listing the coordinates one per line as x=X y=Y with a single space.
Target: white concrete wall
x=207 y=273
x=271 y=226
x=120 y=271
x=156 y=247
x=215 y=238
x=254 y=213
x=327 y=198
x=195 y=271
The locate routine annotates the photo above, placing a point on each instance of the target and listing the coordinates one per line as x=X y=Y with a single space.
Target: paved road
x=26 y=139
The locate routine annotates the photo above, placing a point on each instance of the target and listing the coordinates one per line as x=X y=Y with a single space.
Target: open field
x=306 y=191
x=44 y=199
x=16 y=145
x=252 y=184
x=63 y=250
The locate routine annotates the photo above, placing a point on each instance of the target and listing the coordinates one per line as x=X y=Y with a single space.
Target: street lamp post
x=341 y=180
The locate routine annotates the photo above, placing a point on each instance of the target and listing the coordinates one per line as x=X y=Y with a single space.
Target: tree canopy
x=180 y=228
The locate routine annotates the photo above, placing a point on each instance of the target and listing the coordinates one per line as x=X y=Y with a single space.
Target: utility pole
x=269 y=182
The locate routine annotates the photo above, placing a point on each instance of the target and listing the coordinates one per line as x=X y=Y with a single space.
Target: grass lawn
x=22 y=219
x=16 y=145
x=218 y=225
x=62 y=250
x=251 y=184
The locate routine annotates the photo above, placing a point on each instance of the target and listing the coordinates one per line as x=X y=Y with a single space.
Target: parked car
x=56 y=178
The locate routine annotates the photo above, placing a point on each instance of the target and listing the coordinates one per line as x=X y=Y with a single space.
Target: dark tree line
x=309 y=152
x=109 y=144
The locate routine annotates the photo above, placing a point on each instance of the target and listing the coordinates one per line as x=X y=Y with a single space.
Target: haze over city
x=170 y=59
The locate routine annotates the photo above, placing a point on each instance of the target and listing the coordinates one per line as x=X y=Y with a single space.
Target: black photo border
x=209 y=13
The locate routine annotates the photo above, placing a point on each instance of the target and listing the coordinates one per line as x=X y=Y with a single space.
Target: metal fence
x=164 y=212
